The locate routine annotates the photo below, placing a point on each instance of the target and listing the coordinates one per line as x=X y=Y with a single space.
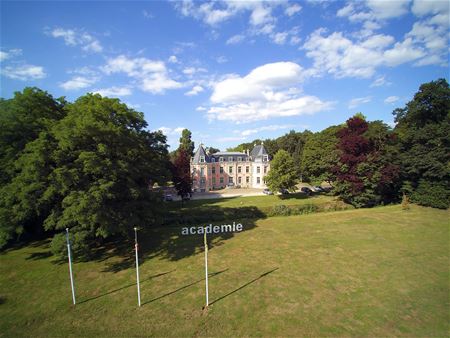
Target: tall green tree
x=22 y=118
x=91 y=172
x=320 y=155
x=282 y=174
x=186 y=142
x=423 y=130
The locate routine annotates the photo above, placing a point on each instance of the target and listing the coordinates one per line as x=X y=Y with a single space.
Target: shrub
x=280 y=210
x=432 y=194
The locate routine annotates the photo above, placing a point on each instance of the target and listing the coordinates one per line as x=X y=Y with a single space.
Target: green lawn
x=372 y=272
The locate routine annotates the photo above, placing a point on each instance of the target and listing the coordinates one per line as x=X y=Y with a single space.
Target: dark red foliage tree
x=181 y=173
x=365 y=174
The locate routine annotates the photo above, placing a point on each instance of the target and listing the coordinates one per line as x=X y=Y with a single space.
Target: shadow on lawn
x=166 y=242
x=184 y=287
x=126 y=286
x=243 y=286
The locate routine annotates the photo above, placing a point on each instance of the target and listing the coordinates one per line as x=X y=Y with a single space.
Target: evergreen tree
x=186 y=142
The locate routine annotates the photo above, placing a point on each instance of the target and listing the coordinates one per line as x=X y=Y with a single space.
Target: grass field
x=372 y=272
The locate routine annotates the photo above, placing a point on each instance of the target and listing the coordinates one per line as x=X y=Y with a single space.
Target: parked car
x=306 y=190
x=327 y=189
x=168 y=198
x=230 y=185
x=267 y=192
x=284 y=192
x=317 y=188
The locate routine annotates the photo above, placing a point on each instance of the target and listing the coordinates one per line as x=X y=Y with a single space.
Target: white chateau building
x=222 y=169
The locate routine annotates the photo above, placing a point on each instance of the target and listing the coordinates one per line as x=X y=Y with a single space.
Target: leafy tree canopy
x=282 y=174
x=186 y=142
x=91 y=172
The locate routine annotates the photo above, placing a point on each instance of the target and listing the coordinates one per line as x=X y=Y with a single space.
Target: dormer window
x=202 y=159
x=213 y=159
x=265 y=158
x=220 y=159
x=239 y=159
x=230 y=159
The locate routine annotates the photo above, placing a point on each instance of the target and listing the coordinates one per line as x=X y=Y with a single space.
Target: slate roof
x=258 y=151
x=200 y=152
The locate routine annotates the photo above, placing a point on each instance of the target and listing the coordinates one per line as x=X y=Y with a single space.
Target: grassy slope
x=377 y=272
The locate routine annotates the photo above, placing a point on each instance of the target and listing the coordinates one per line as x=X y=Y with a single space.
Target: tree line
x=91 y=165
x=370 y=163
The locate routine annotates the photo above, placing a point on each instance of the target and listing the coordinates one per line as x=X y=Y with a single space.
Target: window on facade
x=265 y=170
x=258 y=180
x=265 y=158
x=230 y=179
x=221 y=180
x=239 y=179
x=230 y=159
x=202 y=171
x=247 y=169
x=214 y=180
x=213 y=170
x=220 y=159
x=230 y=170
x=221 y=170
x=239 y=159
x=258 y=170
x=202 y=180
x=202 y=159
x=247 y=179
x=239 y=170
x=213 y=159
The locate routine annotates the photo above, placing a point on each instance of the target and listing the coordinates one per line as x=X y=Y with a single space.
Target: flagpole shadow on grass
x=243 y=286
x=125 y=287
x=184 y=287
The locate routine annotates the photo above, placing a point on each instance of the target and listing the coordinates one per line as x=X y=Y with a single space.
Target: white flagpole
x=137 y=266
x=70 y=266
x=206 y=268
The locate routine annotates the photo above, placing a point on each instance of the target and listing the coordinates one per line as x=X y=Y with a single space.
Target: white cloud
x=152 y=75
x=338 y=55
x=235 y=39
x=173 y=59
x=114 y=91
x=78 y=82
x=194 y=91
x=380 y=81
x=249 y=132
x=74 y=37
x=147 y=14
x=266 y=92
x=422 y=8
x=171 y=131
x=221 y=59
x=391 y=99
x=9 y=54
x=359 y=101
x=383 y=9
x=190 y=71
x=158 y=83
x=292 y=9
x=200 y=108
x=24 y=72
x=280 y=38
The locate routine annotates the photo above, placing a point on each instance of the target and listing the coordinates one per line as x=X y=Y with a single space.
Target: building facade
x=232 y=169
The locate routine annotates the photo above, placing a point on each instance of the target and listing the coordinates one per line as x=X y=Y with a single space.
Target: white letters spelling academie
x=210 y=229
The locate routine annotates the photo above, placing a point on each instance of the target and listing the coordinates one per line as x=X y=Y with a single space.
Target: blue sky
x=230 y=71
